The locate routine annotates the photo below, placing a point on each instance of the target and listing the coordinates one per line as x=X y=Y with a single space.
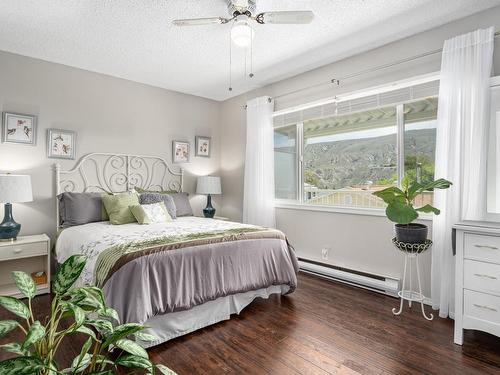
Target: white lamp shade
x=15 y=188
x=208 y=185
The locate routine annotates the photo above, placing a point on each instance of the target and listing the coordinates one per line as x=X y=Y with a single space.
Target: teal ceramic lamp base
x=9 y=229
x=209 y=211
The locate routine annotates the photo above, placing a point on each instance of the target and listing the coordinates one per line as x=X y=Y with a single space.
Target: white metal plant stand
x=411 y=251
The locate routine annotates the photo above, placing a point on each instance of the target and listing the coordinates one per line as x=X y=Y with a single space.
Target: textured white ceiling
x=135 y=39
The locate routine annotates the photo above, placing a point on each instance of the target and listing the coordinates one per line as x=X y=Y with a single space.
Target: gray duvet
x=176 y=275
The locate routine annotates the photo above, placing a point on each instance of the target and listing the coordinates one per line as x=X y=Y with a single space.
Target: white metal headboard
x=111 y=173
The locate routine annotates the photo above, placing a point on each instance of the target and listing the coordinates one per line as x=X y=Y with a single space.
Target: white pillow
x=151 y=213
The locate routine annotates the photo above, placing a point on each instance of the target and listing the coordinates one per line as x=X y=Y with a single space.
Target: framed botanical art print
x=61 y=144
x=180 y=152
x=18 y=128
x=203 y=145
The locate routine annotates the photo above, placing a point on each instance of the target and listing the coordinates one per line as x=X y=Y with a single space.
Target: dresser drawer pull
x=17 y=251
x=485 y=307
x=487 y=247
x=485 y=276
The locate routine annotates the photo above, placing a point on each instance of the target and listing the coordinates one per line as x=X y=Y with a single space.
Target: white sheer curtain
x=258 y=199
x=461 y=147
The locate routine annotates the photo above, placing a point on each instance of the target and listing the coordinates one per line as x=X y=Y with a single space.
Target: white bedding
x=91 y=239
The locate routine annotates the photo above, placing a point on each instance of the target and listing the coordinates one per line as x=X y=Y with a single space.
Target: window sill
x=340 y=210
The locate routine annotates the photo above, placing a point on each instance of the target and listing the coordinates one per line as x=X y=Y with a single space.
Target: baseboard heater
x=376 y=283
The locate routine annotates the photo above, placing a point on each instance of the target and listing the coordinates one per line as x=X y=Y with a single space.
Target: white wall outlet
x=325 y=252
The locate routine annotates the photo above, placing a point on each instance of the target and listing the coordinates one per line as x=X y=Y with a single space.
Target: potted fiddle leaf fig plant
x=400 y=207
x=84 y=311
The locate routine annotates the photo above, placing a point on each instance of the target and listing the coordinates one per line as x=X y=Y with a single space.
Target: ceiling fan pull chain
x=251 y=58
x=230 y=64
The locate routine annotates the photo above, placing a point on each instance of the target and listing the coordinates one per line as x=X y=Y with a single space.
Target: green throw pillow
x=151 y=213
x=117 y=207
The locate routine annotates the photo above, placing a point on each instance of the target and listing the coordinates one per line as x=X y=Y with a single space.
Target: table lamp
x=208 y=185
x=14 y=188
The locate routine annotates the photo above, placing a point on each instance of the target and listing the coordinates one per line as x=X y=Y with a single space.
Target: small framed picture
x=18 y=128
x=180 y=152
x=202 y=146
x=61 y=144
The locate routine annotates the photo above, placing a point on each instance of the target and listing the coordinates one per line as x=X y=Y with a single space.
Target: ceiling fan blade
x=200 y=21
x=286 y=17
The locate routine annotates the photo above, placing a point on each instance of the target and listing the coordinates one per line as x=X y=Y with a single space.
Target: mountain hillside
x=333 y=165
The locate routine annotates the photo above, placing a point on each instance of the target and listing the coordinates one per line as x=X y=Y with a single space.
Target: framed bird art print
x=18 y=128
x=61 y=144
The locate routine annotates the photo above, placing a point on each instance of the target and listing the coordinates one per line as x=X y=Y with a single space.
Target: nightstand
x=28 y=254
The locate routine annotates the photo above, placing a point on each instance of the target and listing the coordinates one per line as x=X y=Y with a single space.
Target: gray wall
x=357 y=241
x=108 y=114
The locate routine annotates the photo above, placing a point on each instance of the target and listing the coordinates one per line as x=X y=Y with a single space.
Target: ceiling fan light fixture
x=241 y=32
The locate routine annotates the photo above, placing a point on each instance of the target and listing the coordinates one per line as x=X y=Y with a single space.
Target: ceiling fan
x=242 y=13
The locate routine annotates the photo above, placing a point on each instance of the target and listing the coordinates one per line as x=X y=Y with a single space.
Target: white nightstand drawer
x=14 y=250
x=482 y=306
x=480 y=276
x=481 y=247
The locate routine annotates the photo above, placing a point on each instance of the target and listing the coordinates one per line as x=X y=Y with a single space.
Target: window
x=285 y=162
x=420 y=123
x=340 y=154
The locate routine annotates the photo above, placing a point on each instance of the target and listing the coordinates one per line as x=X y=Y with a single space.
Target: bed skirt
x=171 y=325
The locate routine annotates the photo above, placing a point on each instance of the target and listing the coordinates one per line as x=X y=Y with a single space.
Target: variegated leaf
x=142 y=336
x=80 y=364
x=131 y=347
x=13 y=347
x=122 y=331
x=68 y=273
x=133 y=361
x=79 y=361
x=15 y=306
x=35 y=334
x=87 y=331
x=108 y=312
x=103 y=360
x=104 y=327
x=21 y=366
x=88 y=298
x=24 y=283
x=165 y=370
x=78 y=314
x=6 y=326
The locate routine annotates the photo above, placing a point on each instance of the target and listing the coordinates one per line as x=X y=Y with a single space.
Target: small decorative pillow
x=117 y=206
x=182 y=205
x=151 y=213
x=149 y=198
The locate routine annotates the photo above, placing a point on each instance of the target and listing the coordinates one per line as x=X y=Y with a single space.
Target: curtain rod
x=336 y=81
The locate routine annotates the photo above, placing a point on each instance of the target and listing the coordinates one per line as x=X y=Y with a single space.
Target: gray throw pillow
x=182 y=204
x=80 y=208
x=150 y=198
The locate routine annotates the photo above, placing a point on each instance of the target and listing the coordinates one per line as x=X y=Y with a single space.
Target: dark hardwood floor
x=322 y=328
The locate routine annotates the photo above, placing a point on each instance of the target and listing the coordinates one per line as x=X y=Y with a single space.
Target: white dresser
x=477 y=279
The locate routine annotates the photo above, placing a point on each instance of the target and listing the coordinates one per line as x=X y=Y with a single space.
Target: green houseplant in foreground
x=400 y=207
x=85 y=310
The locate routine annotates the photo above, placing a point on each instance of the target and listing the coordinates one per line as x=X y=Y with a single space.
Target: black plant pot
x=411 y=233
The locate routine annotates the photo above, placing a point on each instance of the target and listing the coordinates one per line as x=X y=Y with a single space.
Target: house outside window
x=339 y=153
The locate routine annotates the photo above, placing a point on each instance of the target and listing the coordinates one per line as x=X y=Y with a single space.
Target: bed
x=174 y=277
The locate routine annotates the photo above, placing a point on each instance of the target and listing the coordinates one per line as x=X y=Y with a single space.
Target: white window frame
x=299 y=203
